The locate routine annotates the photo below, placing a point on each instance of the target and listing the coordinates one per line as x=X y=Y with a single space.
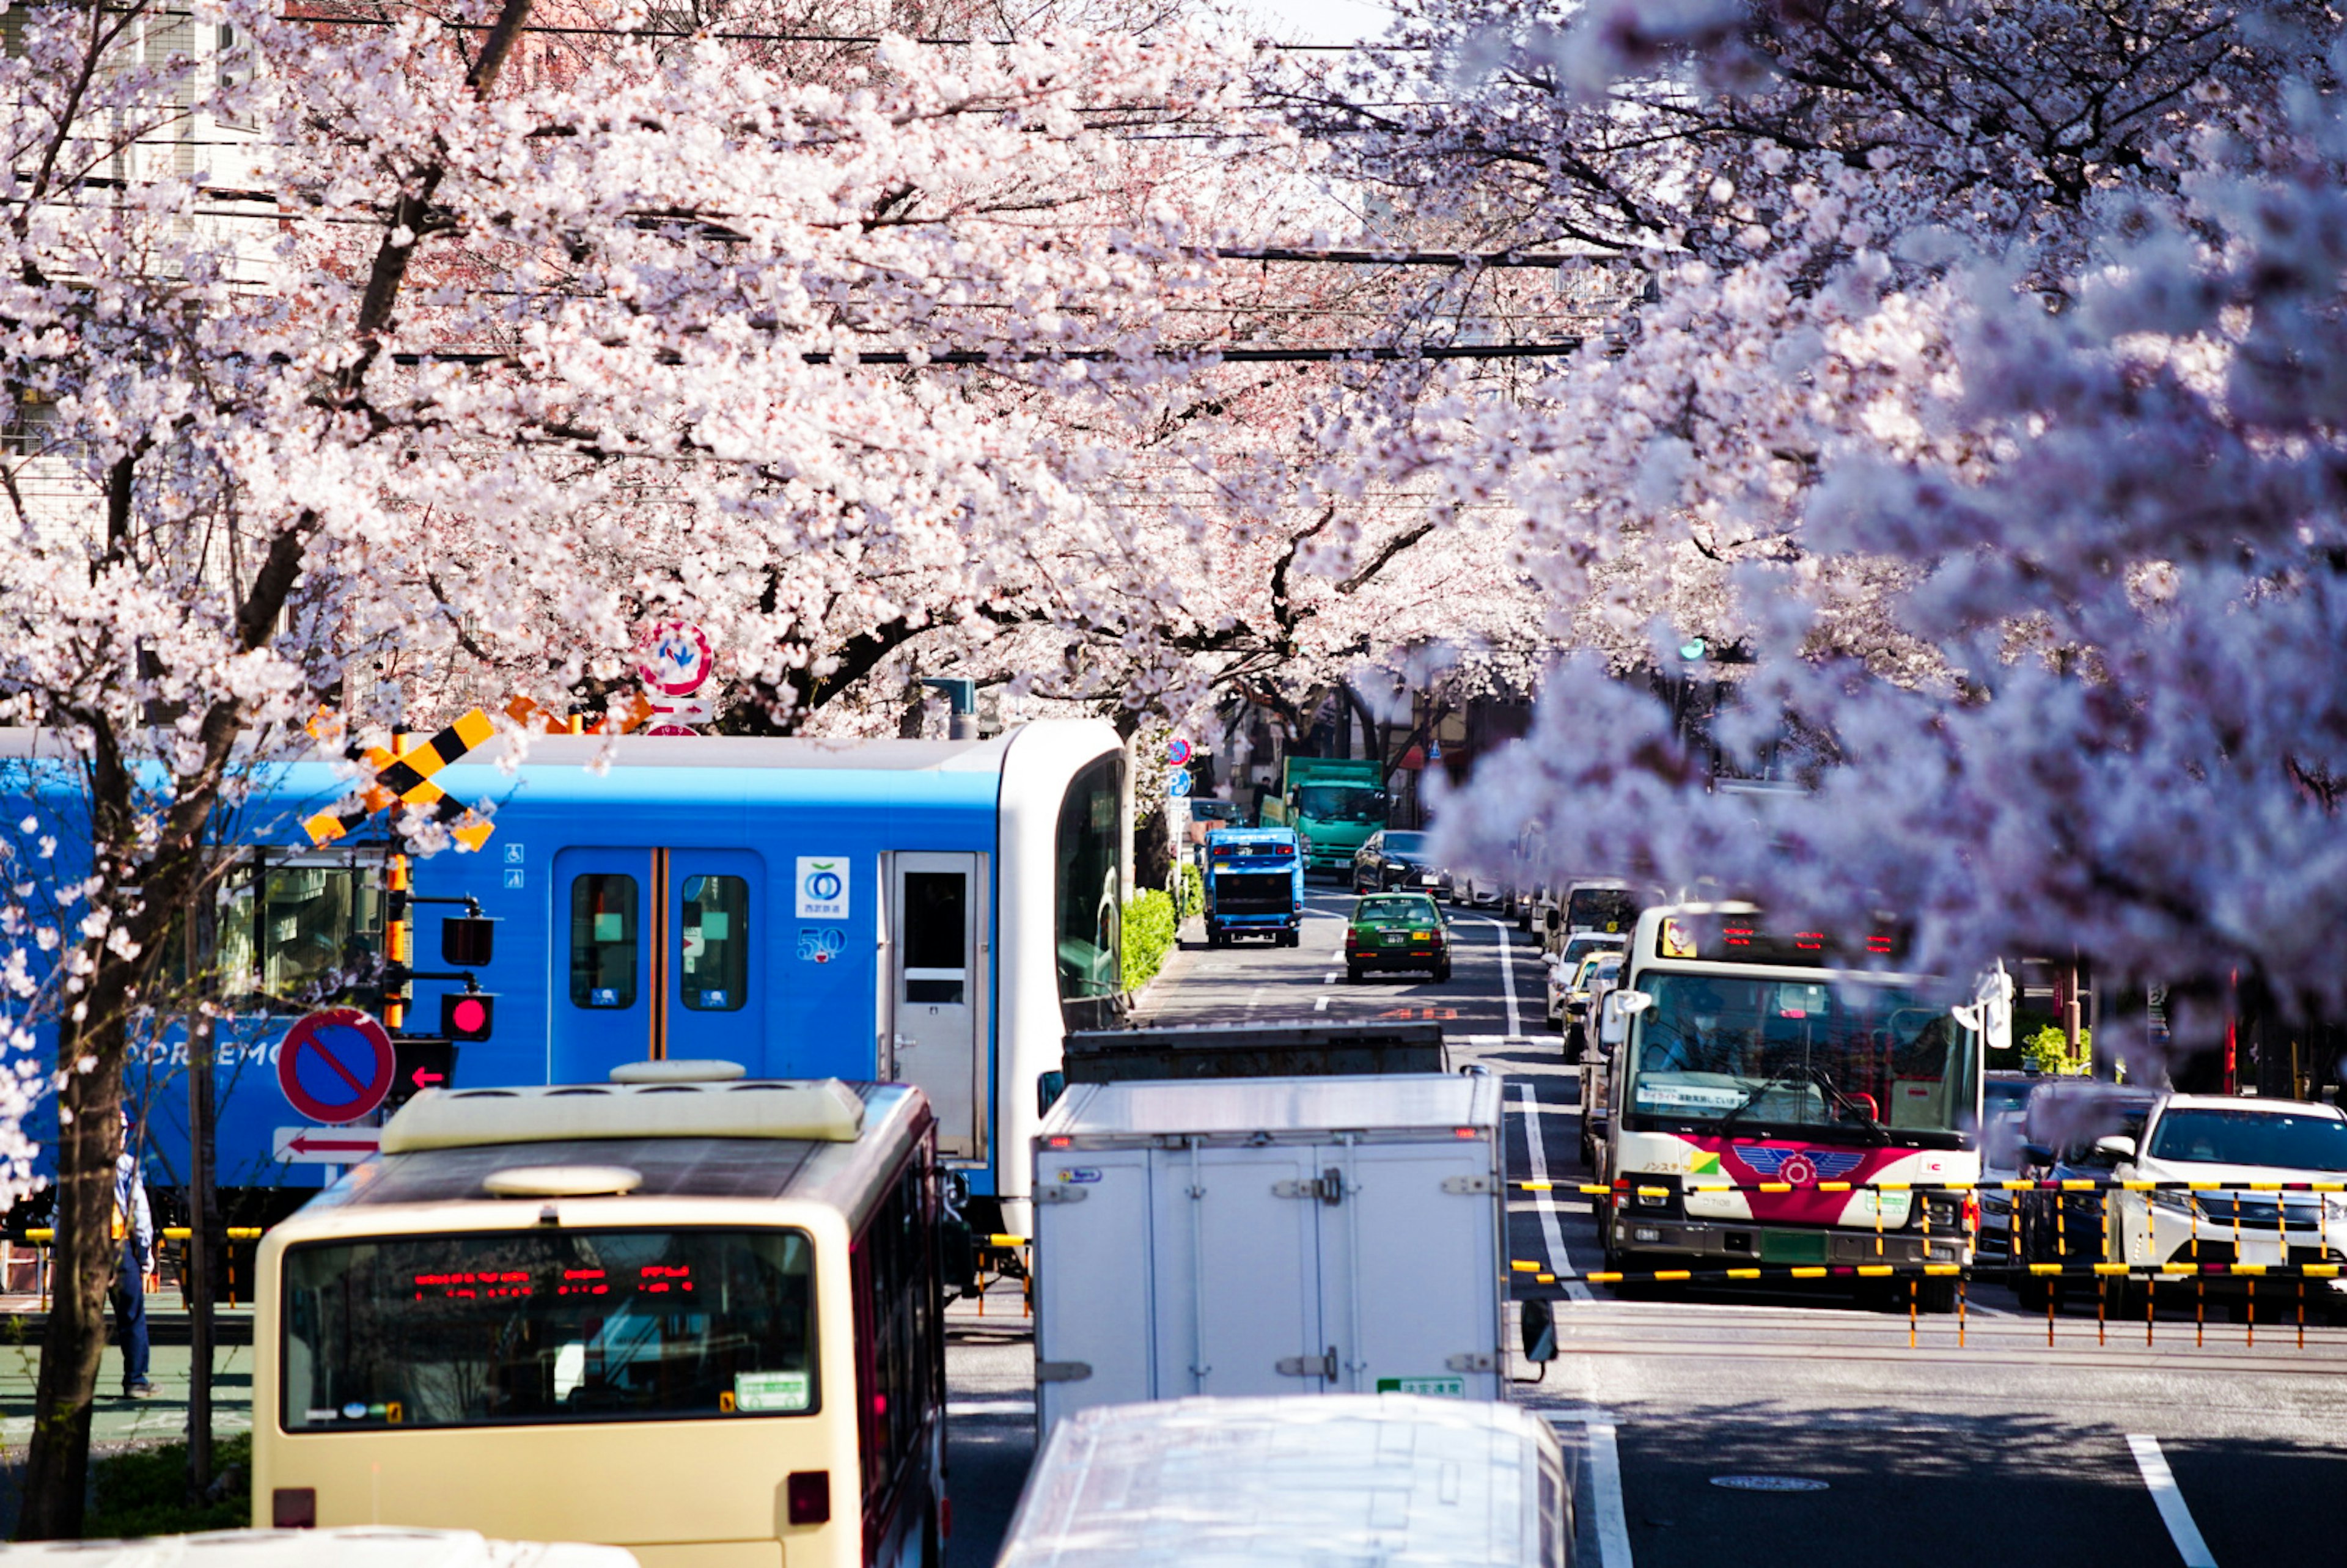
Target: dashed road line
x=1507 y=975
x=1551 y=1234
x=2169 y=1499
x=1320 y=1006
x=1605 y=1490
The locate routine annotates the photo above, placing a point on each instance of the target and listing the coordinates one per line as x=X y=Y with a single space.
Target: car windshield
x=1813 y=1052
x=1405 y=844
x=1580 y=947
x=2290 y=1140
x=1396 y=909
x=1341 y=802
x=1601 y=909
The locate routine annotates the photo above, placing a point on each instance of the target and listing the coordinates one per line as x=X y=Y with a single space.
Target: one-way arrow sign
x=328 y=1145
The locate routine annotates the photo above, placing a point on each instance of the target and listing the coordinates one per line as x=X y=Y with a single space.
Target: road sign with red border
x=1177 y=752
x=335 y=1065
x=676 y=660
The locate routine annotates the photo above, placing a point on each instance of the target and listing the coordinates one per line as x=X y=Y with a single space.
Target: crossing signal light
x=417 y=1065
x=467 y=1015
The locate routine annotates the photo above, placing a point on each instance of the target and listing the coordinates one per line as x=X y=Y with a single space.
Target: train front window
x=539 y=1328
x=298 y=931
x=603 y=940
x=1089 y=884
x=713 y=966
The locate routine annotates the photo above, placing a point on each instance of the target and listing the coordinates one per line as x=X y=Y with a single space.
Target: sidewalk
x=118 y=1421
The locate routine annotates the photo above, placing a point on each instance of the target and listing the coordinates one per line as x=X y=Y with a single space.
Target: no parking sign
x=335 y=1065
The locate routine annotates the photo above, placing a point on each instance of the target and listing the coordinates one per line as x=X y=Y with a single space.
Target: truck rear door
x=1238 y=1309
x=1411 y=1265
x=1094 y=1320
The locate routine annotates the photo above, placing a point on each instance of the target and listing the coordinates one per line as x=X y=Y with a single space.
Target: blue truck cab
x=1255 y=884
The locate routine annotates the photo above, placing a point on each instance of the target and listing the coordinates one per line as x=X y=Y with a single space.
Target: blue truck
x=1255 y=884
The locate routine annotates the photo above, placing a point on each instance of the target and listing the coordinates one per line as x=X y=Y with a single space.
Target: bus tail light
x=293 y=1508
x=808 y=1496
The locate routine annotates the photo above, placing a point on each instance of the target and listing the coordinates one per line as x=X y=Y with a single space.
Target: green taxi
x=1396 y=931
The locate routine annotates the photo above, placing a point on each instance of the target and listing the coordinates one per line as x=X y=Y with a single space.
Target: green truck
x=1333 y=803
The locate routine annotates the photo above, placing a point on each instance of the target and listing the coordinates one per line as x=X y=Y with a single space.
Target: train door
x=937 y=1003
x=654 y=959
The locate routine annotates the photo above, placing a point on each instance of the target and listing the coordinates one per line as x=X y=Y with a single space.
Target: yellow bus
x=694 y=1315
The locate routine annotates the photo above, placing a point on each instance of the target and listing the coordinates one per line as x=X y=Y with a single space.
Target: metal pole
x=202 y=1223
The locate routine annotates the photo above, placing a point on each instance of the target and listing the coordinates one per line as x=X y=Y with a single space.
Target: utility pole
x=203 y=1230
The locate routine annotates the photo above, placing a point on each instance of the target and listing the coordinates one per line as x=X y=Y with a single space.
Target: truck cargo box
x=1254 y=1050
x=1268 y=1235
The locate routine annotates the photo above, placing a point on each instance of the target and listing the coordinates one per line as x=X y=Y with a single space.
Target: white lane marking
x=1605 y=1488
x=1330 y=978
x=1507 y=977
x=2161 y=1482
x=989 y=1406
x=1320 y=1006
x=1337 y=957
x=1255 y=996
x=1551 y=1235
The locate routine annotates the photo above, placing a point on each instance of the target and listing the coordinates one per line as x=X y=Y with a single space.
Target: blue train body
x=934 y=912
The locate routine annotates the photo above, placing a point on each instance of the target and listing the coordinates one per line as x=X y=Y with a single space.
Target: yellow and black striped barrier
x=1607 y=1190
x=46 y=1234
x=1975 y=1271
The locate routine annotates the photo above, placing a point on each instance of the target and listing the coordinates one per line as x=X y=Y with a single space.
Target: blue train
x=937 y=913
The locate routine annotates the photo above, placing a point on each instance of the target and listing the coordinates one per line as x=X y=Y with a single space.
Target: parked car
x=1397 y=857
x=1397 y=931
x=2216 y=1138
x=1565 y=967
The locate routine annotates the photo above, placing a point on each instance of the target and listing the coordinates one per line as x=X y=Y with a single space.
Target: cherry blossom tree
x=1988 y=396
x=459 y=317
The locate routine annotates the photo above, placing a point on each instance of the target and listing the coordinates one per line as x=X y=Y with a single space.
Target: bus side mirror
x=1049 y=1087
x=1614 y=1023
x=1539 y=1325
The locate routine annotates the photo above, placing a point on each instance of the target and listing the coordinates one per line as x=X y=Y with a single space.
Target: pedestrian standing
x=134 y=1236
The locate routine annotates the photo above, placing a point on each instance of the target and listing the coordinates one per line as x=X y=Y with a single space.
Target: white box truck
x=1344 y=1479
x=1270 y=1235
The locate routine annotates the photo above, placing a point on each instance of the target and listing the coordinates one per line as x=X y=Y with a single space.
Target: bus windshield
x=537 y=1326
x=1340 y=803
x=1749 y=1055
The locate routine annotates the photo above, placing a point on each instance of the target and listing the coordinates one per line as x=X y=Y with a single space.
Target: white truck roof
x=1411 y=1104
x=355 y=1546
x=1354 y=1479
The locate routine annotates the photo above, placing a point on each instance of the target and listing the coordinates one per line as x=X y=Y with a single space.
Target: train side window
x=713 y=973
x=603 y=940
x=937 y=937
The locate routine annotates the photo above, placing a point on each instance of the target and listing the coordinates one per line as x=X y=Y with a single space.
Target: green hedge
x=1192 y=892
x=1149 y=925
x=144 y=1492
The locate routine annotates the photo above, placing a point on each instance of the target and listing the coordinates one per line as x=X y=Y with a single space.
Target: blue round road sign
x=335 y=1065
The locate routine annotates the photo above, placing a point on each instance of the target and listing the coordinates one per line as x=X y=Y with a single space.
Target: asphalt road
x=1846 y=1435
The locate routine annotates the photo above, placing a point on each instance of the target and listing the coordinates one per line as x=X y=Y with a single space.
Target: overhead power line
x=1365 y=353
x=866 y=39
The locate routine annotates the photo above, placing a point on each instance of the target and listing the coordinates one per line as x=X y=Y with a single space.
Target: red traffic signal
x=467 y=1015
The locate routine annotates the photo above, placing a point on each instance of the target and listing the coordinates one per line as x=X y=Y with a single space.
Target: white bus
x=696 y=1317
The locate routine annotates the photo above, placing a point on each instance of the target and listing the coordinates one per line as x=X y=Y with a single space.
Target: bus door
x=937 y=1002
x=653 y=959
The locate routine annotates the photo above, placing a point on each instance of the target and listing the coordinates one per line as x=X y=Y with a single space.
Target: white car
x=1566 y=962
x=2214 y=1138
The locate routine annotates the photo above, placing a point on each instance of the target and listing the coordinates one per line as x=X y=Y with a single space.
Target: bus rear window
x=538 y=1328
